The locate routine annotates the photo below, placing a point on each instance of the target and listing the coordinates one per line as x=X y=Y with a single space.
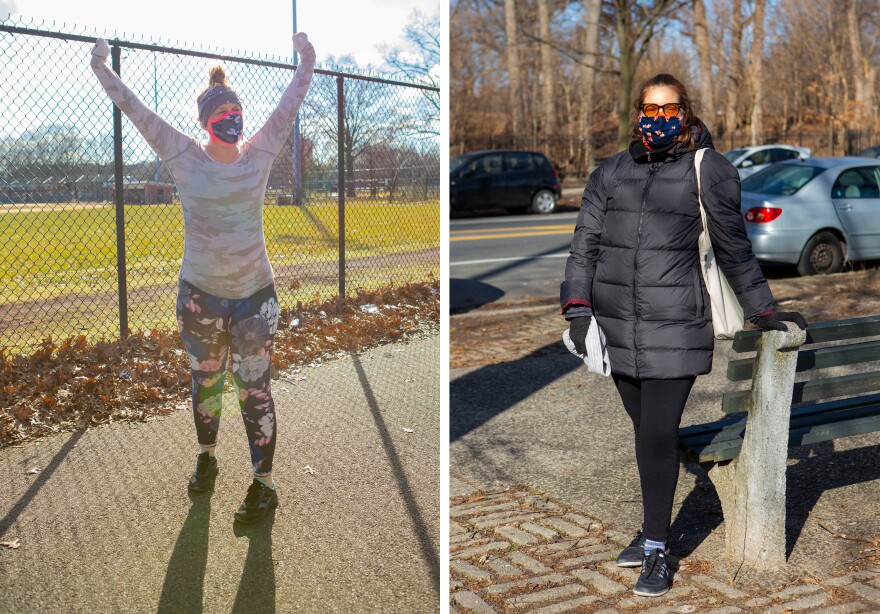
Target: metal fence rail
x=91 y=232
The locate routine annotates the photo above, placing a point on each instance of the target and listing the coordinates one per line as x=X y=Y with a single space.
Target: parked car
x=512 y=180
x=871 y=152
x=816 y=213
x=750 y=160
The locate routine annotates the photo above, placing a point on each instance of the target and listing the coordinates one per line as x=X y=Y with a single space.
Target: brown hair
x=216 y=76
x=689 y=118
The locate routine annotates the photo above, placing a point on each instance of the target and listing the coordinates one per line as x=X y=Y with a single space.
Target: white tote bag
x=727 y=313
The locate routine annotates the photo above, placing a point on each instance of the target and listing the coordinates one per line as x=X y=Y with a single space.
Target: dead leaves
x=74 y=384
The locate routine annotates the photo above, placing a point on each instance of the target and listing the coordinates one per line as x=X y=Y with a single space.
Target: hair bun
x=218 y=76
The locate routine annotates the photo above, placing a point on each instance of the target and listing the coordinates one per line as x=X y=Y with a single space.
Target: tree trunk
x=513 y=68
x=548 y=115
x=865 y=74
x=591 y=47
x=734 y=74
x=704 y=59
x=756 y=128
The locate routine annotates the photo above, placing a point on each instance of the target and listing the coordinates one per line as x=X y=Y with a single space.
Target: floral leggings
x=210 y=327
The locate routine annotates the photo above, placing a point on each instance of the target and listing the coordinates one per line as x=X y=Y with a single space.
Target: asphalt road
x=503 y=258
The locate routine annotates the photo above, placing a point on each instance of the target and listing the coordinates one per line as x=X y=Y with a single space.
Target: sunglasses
x=670 y=109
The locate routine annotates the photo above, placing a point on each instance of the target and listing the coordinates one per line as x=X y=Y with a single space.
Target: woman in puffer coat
x=634 y=266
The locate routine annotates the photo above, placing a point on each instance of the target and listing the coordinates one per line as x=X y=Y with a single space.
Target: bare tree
x=513 y=75
x=591 y=52
x=636 y=23
x=704 y=59
x=756 y=61
x=418 y=60
x=548 y=87
x=865 y=74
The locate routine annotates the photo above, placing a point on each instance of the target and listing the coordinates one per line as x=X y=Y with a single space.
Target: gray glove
x=577 y=331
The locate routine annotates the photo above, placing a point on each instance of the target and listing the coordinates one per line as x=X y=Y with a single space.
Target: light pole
x=297 y=138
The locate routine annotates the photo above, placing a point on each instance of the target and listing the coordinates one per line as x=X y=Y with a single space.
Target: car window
x=517 y=162
x=781 y=179
x=760 y=157
x=780 y=154
x=457 y=162
x=733 y=154
x=485 y=165
x=862 y=182
x=541 y=162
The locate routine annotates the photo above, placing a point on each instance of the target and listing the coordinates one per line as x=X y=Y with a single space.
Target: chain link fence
x=91 y=241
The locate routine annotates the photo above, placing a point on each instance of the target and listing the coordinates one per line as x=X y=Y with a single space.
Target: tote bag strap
x=698 y=158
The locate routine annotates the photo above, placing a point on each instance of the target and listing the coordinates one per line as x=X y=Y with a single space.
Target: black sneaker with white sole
x=632 y=555
x=654 y=579
x=202 y=479
x=257 y=503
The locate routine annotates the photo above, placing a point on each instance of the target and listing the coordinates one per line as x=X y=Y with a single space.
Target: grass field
x=55 y=255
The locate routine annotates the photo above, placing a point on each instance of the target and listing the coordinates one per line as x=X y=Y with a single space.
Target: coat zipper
x=653 y=169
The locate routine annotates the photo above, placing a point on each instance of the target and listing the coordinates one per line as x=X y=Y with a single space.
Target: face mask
x=226 y=128
x=659 y=131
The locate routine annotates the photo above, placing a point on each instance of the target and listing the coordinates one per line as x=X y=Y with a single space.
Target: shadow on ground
x=818 y=468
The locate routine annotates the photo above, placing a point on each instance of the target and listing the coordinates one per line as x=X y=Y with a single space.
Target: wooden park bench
x=745 y=454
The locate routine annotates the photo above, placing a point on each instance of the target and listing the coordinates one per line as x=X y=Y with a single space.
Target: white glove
x=300 y=41
x=100 y=52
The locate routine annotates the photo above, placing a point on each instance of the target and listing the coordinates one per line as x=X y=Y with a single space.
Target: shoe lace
x=655 y=561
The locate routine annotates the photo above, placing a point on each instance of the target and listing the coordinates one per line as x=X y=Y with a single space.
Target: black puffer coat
x=634 y=257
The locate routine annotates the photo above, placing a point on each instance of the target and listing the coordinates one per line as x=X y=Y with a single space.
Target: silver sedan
x=816 y=213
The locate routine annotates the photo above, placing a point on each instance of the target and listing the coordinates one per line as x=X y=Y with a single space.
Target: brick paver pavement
x=517 y=550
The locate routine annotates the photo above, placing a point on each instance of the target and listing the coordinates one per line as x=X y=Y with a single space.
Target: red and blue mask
x=659 y=131
x=227 y=127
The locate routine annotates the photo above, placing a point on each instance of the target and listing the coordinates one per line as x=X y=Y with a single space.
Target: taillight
x=555 y=173
x=761 y=215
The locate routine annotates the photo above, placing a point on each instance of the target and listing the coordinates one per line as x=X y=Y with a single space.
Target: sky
x=335 y=27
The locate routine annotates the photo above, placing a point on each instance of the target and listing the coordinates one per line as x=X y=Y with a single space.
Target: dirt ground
x=504 y=331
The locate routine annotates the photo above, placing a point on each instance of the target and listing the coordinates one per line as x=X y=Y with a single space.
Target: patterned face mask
x=659 y=131
x=227 y=128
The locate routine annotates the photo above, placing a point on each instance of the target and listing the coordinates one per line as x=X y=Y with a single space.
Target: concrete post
x=752 y=488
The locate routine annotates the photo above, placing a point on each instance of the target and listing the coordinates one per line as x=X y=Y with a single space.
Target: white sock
x=266 y=479
x=652 y=545
x=211 y=449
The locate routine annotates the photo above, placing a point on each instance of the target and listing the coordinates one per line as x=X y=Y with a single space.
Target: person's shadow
x=256 y=590
x=184 y=586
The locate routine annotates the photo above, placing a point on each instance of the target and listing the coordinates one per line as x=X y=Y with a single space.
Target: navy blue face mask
x=659 y=131
x=227 y=128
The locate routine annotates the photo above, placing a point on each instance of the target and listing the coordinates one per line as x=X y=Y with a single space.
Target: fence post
x=340 y=146
x=119 y=197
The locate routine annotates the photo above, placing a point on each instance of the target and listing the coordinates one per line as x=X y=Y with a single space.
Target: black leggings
x=655 y=407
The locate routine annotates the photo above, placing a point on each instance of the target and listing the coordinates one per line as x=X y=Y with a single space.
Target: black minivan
x=512 y=180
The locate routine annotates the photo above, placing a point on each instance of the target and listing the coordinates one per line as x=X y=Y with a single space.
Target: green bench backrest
x=819 y=358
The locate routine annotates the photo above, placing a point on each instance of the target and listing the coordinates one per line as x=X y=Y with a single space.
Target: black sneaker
x=206 y=472
x=632 y=555
x=257 y=503
x=654 y=579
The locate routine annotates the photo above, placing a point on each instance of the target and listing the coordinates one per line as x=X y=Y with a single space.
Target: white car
x=749 y=160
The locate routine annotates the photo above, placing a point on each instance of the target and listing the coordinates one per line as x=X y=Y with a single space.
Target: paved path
x=531 y=419
x=106 y=524
x=517 y=550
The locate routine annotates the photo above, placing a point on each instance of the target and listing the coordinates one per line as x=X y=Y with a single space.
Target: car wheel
x=544 y=201
x=822 y=255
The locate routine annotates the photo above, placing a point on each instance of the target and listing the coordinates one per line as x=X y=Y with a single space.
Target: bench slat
x=811 y=391
x=741 y=370
x=702 y=434
x=809 y=427
x=817 y=332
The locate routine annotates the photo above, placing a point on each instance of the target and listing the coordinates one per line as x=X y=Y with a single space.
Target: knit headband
x=213 y=98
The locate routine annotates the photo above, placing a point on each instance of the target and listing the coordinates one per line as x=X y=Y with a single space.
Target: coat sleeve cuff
x=758 y=315
x=575 y=301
